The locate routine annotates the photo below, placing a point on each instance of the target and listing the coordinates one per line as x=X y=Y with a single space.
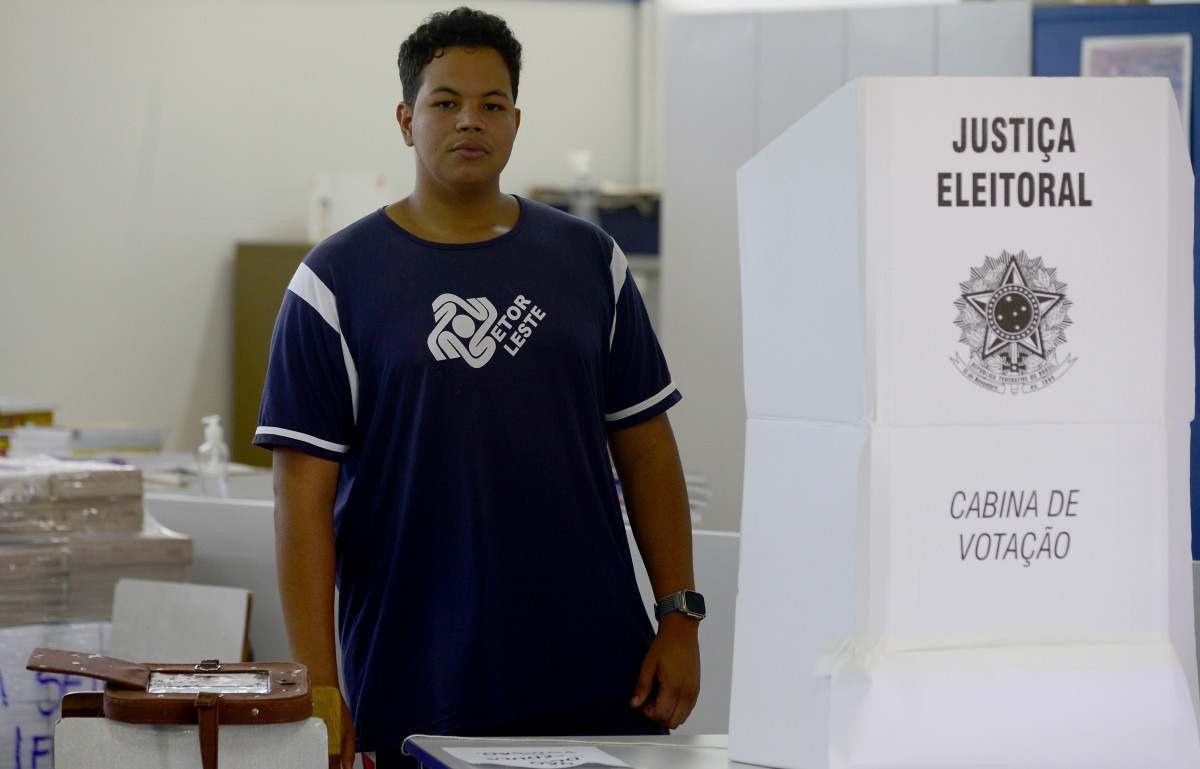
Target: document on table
x=551 y=757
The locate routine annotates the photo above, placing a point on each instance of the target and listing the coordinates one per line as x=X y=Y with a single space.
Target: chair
x=179 y=622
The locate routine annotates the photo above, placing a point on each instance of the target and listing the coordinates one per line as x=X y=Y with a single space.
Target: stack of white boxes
x=68 y=531
x=969 y=377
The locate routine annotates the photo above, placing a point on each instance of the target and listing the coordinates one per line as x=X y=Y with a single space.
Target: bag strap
x=130 y=675
x=83 y=705
x=208 y=716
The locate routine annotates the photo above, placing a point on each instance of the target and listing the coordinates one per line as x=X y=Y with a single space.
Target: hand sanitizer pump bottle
x=212 y=459
x=584 y=198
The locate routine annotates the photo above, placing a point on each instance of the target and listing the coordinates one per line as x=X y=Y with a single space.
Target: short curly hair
x=461 y=27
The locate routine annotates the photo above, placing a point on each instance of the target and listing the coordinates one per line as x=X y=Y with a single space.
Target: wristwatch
x=687 y=602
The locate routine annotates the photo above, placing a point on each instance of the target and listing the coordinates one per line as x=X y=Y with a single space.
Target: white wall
x=142 y=139
x=754 y=6
x=733 y=82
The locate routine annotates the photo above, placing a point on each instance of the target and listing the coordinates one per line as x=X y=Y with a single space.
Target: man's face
x=463 y=121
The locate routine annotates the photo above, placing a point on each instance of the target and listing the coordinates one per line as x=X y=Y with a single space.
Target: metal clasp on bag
x=208 y=665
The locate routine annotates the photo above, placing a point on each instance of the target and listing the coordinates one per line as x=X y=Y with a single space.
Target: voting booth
x=969 y=377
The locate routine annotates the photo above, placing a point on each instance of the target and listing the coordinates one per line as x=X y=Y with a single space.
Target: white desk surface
x=702 y=751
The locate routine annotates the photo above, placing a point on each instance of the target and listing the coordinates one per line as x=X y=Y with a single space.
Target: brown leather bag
x=209 y=694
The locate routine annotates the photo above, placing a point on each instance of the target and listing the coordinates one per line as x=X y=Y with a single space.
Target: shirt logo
x=471 y=329
x=461 y=330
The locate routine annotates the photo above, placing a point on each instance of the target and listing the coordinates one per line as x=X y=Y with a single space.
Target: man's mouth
x=469 y=151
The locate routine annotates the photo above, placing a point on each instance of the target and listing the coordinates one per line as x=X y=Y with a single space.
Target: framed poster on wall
x=1168 y=56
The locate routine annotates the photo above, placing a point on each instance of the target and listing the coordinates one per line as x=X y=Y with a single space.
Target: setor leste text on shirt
x=516 y=325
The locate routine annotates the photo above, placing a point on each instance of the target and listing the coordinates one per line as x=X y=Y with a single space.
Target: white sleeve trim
x=639 y=407
x=304 y=437
x=618 y=265
x=306 y=285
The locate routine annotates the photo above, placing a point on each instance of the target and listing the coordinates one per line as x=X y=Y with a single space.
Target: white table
x=703 y=751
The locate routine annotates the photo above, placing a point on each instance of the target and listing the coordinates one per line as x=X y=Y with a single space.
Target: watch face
x=693 y=603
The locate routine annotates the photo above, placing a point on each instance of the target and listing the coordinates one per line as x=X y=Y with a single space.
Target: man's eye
x=444 y=104
x=494 y=107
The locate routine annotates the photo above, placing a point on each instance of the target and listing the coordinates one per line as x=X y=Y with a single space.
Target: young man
x=447 y=378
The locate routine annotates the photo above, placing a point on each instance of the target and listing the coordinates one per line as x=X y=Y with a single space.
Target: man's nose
x=470 y=118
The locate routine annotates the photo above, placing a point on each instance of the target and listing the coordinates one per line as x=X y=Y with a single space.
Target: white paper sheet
x=552 y=757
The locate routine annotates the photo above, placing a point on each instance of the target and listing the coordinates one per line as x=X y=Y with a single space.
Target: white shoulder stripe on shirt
x=618 y=265
x=306 y=285
x=304 y=437
x=637 y=408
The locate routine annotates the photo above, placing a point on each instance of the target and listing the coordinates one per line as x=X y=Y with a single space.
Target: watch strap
x=677 y=602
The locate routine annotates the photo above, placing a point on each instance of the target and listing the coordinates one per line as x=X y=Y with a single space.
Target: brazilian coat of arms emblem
x=1013 y=315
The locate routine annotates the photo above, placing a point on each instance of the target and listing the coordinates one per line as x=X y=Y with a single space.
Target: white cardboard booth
x=969 y=376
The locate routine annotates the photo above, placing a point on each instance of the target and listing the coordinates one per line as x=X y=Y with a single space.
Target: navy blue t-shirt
x=468 y=392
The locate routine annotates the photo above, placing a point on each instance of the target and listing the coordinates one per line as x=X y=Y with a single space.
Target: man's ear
x=404 y=117
x=518 y=111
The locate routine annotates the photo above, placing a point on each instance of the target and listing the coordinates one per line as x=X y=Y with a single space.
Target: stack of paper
x=70 y=529
x=84 y=441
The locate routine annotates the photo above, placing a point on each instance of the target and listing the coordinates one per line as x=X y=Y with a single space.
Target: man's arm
x=304 y=554
x=647 y=460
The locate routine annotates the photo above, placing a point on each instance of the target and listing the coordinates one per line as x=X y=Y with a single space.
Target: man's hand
x=304 y=558
x=346 y=759
x=672 y=671
x=647 y=460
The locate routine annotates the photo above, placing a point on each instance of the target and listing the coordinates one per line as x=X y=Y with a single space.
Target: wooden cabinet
x=261 y=272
